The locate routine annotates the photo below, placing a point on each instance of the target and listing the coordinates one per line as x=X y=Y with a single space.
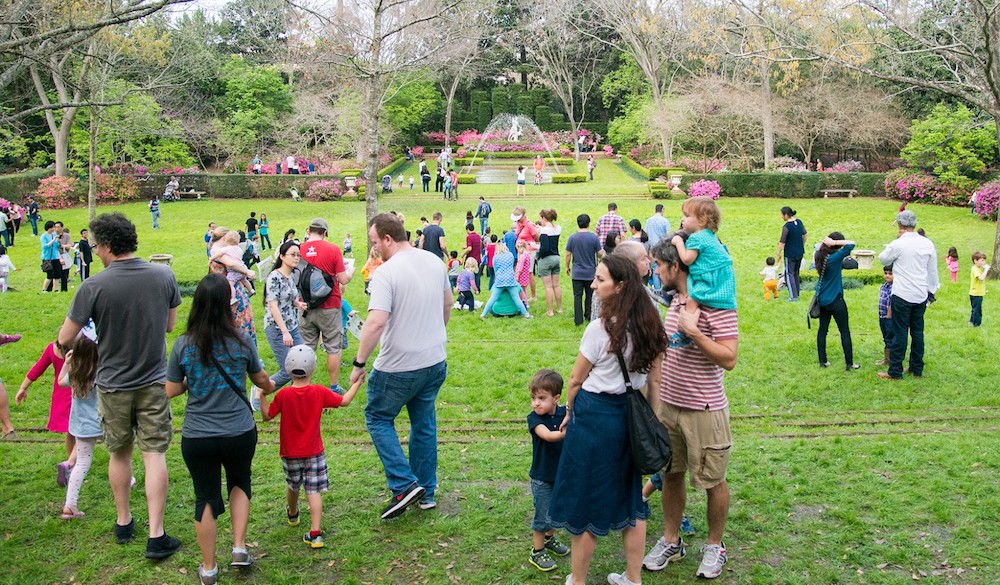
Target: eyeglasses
x=295 y=254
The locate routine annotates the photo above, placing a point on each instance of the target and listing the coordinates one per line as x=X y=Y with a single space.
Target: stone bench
x=849 y=192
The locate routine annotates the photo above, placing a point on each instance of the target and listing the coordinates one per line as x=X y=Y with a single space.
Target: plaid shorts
x=310 y=471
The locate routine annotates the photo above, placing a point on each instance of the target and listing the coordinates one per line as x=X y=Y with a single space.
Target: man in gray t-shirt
x=581 y=264
x=134 y=305
x=410 y=306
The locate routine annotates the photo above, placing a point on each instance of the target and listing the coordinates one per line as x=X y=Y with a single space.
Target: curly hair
x=629 y=316
x=115 y=231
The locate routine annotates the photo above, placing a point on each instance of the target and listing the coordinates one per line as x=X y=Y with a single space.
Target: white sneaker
x=255 y=398
x=713 y=558
x=620 y=579
x=662 y=554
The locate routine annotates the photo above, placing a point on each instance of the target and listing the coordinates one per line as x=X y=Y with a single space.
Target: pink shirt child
x=62 y=396
x=952 y=267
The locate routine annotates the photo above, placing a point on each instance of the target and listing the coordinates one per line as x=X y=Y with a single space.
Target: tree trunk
x=91 y=179
x=766 y=117
x=994 y=272
x=661 y=113
x=373 y=96
x=448 y=111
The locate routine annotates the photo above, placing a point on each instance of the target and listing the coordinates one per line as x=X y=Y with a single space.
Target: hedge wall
x=560 y=160
x=569 y=178
x=791 y=185
x=15 y=187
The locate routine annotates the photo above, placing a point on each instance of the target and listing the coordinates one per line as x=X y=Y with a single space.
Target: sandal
x=11 y=436
x=72 y=514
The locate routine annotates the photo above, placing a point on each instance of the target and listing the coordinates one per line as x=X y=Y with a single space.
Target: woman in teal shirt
x=830 y=292
x=50 y=252
x=265 y=241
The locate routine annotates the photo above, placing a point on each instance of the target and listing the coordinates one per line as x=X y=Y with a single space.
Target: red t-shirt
x=491 y=250
x=527 y=232
x=326 y=257
x=476 y=243
x=302 y=407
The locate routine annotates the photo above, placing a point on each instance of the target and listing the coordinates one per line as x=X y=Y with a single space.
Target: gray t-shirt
x=584 y=247
x=411 y=287
x=129 y=302
x=213 y=408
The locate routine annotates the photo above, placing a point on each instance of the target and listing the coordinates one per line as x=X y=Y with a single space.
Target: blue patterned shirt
x=884 y=300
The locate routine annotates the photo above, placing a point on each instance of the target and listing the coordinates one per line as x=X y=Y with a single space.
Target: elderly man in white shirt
x=915 y=280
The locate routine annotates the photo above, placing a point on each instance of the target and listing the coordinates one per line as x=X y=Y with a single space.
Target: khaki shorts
x=325 y=322
x=548 y=266
x=701 y=442
x=141 y=415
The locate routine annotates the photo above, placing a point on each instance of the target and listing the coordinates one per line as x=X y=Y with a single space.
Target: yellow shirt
x=977 y=287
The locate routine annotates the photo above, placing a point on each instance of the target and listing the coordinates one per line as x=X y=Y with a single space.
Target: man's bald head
x=635 y=252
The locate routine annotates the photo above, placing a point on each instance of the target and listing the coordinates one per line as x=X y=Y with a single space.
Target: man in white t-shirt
x=694 y=408
x=410 y=306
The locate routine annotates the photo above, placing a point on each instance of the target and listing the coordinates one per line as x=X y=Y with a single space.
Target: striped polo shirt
x=689 y=379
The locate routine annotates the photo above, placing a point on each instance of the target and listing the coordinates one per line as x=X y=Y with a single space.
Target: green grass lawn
x=836 y=477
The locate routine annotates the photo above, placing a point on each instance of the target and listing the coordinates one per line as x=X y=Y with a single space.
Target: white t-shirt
x=606 y=375
x=411 y=287
x=770 y=273
x=290 y=161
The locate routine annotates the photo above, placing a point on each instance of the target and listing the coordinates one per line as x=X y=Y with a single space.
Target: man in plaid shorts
x=301 y=445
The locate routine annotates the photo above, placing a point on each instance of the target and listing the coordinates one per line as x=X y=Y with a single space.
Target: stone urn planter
x=166 y=259
x=865 y=258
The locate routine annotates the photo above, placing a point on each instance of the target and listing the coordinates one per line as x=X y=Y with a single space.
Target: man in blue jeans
x=410 y=299
x=914 y=282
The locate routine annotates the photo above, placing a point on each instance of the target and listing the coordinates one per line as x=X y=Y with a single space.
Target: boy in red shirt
x=301 y=446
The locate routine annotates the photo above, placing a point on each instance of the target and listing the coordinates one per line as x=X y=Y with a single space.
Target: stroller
x=387 y=184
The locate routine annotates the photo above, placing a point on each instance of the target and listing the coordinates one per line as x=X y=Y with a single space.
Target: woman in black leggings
x=211 y=362
x=830 y=291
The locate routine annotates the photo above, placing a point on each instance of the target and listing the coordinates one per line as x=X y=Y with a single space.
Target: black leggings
x=838 y=310
x=205 y=459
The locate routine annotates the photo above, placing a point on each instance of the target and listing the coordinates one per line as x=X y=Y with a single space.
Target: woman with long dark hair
x=830 y=292
x=283 y=303
x=791 y=247
x=597 y=488
x=210 y=362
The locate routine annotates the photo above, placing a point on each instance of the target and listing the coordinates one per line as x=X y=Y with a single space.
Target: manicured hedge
x=568 y=178
x=465 y=161
x=630 y=163
x=467 y=179
x=872 y=275
x=15 y=187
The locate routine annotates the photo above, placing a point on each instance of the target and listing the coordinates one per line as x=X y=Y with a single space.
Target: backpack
x=315 y=286
x=248 y=257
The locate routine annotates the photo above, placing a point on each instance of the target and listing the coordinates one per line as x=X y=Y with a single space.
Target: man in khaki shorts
x=325 y=320
x=131 y=369
x=695 y=410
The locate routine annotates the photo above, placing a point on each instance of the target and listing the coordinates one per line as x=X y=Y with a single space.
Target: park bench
x=189 y=194
x=849 y=192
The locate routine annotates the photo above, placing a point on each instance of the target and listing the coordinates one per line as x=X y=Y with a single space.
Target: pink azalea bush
x=988 y=200
x=705 y=188
x=608 y=150
x=909 y=185
x=117 y=188
x=57 y=192
x=417 y=151
x=848 y=166
x=787 y=164
x=331 y=190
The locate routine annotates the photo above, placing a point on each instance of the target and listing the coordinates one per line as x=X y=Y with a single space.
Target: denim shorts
x=541 y=496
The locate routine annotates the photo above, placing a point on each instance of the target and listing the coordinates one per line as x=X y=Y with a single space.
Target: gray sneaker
x=662 y=554
x=241 y=559
x=620 y=579
x=713 y=558
x=207 y=579
x=542 y=561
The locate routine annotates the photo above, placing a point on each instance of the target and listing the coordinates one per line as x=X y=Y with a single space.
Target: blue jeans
x=907 y=321
x=265 y=241
x=976 y=318
x=273 y=334
x=541 y=496
x=6 y=237
x=156 y=219
x=388 y=393
x=34 y=224
x=484 y=222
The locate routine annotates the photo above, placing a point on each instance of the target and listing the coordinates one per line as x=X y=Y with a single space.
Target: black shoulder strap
x=621 y=364
x=232 y=384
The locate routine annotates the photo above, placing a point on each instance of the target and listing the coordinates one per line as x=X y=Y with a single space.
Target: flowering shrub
x=417 y=151
x=705 y=188
x=461 y=153
x=565 y=152
x=848 y=166
x=787 y=164
x=57 y=192
x=909 y=185
x=331 y=190
x=608 y=150
x=988 y=200
x=438 y=137
x=117 y=188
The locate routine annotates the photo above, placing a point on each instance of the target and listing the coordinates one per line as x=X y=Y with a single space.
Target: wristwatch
x=358 y=364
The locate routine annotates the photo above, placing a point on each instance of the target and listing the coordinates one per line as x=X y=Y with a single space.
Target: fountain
x=513 y=127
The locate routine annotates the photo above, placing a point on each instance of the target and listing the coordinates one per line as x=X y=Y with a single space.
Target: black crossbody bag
x=232 y=384
x=650 y=442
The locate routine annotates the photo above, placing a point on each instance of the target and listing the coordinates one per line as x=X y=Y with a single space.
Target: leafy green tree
x=254 y=98
x=953 y=143
x=413 y=106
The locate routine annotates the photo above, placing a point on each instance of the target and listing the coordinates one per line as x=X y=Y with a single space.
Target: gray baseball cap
x=300 y=361
x=319 y=223
x=906 y=218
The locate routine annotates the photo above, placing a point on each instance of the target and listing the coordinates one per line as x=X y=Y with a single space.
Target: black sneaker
x=399 y=502
x=162 y=547
x=125 y=534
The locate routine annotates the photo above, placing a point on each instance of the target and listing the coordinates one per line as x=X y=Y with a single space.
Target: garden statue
x=515 y=131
